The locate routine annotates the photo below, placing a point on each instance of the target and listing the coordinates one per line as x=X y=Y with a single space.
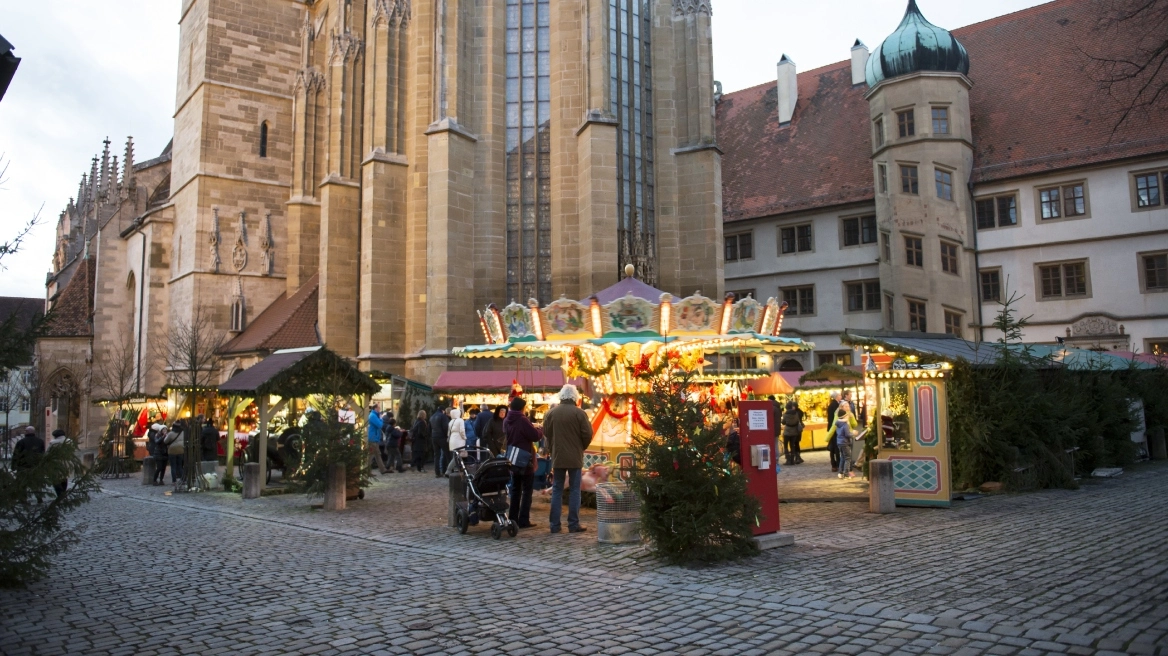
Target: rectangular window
x=1063 y=280
x=803 y=234
x=862 y=295
x=24 y=404
x=742 y=293
x=905 y=123
x=739 y=362
x=914 y=252
x=1064 y=201
x=991 y=285
x=1157 y=347
x=1074 y=202
x=1150 y=189
x=944 y=180
x=740 y=247
x=908 y=180
x=949 y=258
x=795 y=239
x=886 y=246
x=940 y=120
x=882 y=174
x=1048 y=199
x=890 y=317
x=1155 y=271
x=917 y=320
x=843 y=358
x=878 y=131
x=953 y=324
x=859 y=230
x=996 y=211
x=800 y=300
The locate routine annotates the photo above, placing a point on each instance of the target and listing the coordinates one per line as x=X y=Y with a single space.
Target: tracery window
x=529 y=215
x=631 y=88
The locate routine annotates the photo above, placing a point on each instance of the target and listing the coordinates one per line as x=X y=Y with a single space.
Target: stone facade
x=365 y=146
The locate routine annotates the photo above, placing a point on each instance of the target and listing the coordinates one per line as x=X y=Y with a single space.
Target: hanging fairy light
x=782 y=313
x=536 y=320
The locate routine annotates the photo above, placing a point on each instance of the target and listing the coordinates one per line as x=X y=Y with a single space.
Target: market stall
x=495 y=388
x=314 y=374
x=619 y=335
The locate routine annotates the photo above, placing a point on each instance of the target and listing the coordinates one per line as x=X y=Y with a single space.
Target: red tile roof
x=289 y=322
x=72 y=312
x=1035 y=103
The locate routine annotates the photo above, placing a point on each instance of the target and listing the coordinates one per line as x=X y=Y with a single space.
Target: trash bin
x=618 y=514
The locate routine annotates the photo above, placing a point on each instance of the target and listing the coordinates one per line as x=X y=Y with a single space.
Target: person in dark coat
x=27 y=452
x=481 y=423
x=419 y=438
x=157 y=447
x=521 y=433
x=832 y=447
x=439 y=427
x=792 y=425
x=210 y=441
x=734 y=443
x=494 y=438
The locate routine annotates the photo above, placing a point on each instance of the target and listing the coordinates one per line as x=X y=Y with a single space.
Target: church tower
x=232 y=157
x=922 y=156
x=447 y=154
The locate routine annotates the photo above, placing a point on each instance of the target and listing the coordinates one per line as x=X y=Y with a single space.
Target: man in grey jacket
x=568 y=433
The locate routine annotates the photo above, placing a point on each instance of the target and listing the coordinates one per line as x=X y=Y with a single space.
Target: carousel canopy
x=620 y=333
x=492 y=382
x=297 y=373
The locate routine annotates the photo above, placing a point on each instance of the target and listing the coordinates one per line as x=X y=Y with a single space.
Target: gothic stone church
x=364 y=174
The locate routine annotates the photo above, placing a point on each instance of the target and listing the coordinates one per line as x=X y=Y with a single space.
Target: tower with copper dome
x=922 y=158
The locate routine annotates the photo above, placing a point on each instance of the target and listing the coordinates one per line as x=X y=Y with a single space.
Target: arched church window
x=237 y=315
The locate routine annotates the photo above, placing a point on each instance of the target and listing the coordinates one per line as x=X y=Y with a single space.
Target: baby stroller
x=486 y=498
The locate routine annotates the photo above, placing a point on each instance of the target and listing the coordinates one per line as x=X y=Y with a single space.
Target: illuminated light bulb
x=597 y=328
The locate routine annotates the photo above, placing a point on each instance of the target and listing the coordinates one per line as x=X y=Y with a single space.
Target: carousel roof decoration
x=619 y=334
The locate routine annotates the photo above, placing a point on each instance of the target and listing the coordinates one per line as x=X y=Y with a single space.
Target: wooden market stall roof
x=951 y=349
x=297 y=373
x=492 y=382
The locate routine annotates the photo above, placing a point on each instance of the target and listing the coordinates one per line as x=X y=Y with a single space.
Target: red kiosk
x=756 y=434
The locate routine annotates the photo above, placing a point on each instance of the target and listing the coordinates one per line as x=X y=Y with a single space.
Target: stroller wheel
x=496 y=531
x=512 y=529
x=461 y=520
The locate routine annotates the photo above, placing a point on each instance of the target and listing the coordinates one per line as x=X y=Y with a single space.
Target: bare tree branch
x=1131 y=61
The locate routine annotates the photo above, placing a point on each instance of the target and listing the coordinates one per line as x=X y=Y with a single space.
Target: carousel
x=620 y=336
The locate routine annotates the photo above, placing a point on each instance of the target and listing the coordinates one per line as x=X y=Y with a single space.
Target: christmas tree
x=694 y=505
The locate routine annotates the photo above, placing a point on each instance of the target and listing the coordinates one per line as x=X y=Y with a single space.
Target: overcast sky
x=89 y=72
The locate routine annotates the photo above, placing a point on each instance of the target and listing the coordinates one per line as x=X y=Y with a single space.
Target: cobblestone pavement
x=1077 y=572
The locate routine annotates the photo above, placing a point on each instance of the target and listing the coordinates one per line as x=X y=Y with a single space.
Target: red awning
x=493 y=382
